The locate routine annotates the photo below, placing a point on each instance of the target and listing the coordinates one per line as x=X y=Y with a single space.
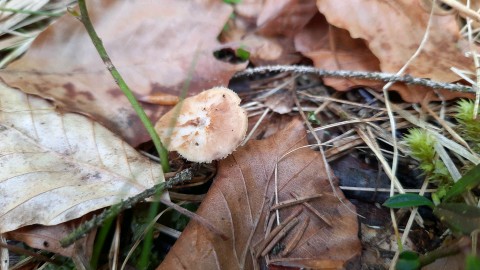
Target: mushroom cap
x=209 y=125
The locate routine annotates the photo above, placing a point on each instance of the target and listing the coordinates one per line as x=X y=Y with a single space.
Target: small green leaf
x=472 y=262
x=242 y=54
x=232 y=2
x=470 y=180
x=407 y=200
x=459 y=217
x=408 y=260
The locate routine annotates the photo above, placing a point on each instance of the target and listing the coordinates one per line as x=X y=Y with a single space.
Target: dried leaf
x=249 y=8
x=270 y=39
x=332 y=48
x=152 y=43
x=238 y=205
x=57 y=167
x=285 y=17
x=48 y=238
x=393 y=31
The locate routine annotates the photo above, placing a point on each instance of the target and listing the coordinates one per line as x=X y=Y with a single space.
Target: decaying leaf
x=48 y=238
x=152 y=43
x=332 y=48
x=285 y=17
x=238 y=204
x=57 y=167
x=393 y=31
x=267 y=29
x=394 y=38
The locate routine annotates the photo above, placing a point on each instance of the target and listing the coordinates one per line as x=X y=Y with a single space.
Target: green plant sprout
x=461 y=218
x=422 y=147
x=468 y=125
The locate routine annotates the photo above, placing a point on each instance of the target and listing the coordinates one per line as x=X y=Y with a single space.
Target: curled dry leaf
x=238 y=204
x=48 y=237
x=152 y=43
x=208 y=126
x=332 y=48
x=267 y=29
x=285 y=17
x=393 y=31
x=57 y=167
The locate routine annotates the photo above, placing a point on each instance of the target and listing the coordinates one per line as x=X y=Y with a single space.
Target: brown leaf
x=269 y=36
x=271 y=50
x=152 y=43
x=249 y=8
x=332 y=48
x=285 y=17
x=238 y=205
x=393 y=31
x=48 y=237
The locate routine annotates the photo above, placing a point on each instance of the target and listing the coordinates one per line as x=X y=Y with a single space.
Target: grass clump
x=468 y=125
x=422 y=146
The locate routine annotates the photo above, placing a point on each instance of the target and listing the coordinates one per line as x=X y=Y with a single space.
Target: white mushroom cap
x=209 y=126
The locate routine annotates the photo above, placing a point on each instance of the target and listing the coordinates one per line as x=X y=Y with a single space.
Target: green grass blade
x=407 y=200
x=470 y=180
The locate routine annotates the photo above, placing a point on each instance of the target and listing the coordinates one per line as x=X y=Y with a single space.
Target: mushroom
x=208 y=126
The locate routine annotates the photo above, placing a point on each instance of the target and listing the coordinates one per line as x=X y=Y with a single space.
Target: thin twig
x=97 y=42
x=295 y=201
x=96 y=221
x=193 y=216
x=388 y=105
x=474 y=53
x=313 y=210
x=296 y=238
x=374 y=76
x=468 y=12
x=283 y=232
x=268 y=238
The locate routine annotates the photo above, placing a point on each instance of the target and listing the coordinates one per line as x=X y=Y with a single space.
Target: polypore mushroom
x=208 y=126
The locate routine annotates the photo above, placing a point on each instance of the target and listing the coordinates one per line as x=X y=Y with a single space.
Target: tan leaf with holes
x=238 y=205
x=59 y=166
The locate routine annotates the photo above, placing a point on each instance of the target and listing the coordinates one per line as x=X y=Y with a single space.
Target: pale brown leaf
x=152 y=43
x=57 y=167
x=393 y=31
x=332 y=48
x=48 y=238
x=238 y=205
x=268 y=28
x=285 y=17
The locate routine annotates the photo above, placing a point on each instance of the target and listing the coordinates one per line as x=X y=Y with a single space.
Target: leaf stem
x=97 y=42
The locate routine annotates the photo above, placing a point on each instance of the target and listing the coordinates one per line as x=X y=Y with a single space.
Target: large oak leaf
x=238 y=205
x=152 y=43
x=59 y=166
